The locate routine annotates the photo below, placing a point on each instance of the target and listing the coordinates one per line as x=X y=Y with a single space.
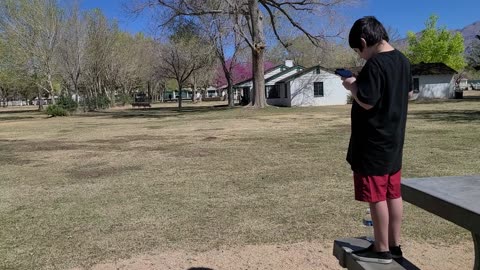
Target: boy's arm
x=350 y=84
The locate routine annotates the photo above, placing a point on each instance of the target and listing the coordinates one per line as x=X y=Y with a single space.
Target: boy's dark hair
x=368 y=28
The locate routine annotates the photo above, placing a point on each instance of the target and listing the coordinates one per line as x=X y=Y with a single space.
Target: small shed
x=433 y=81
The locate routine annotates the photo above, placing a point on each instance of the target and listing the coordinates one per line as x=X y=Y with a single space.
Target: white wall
x=435 y=86
x=301 y=90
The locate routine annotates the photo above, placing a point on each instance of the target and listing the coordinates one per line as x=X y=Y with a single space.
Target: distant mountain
x=468 y=32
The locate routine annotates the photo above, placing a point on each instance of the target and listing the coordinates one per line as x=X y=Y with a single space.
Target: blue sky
x=405 y=15
x=402 y=15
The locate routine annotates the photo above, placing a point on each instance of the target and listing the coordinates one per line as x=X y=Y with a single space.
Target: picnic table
x=455 y=198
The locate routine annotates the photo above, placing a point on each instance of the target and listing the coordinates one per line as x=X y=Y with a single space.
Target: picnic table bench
x=454 y=198
x=342 y=250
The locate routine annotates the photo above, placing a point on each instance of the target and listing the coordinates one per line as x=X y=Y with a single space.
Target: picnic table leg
x=476 y=246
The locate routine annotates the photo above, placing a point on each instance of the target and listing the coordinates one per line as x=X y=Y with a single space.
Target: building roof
x=288 y=69
x=431 y=69
x=297 y=67
x=265 y=72
x=305 y=71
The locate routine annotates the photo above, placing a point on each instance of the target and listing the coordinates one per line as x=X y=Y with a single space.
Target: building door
x=246 y=95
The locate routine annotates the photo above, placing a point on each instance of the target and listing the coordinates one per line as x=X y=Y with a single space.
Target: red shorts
x=377 y=188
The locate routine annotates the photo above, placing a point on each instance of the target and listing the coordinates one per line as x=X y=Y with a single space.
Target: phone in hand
x=345 y=73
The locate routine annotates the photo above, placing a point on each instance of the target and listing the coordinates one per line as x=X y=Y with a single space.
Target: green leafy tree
x=436 y=44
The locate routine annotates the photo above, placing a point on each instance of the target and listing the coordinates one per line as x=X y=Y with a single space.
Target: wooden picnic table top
x=456 y=199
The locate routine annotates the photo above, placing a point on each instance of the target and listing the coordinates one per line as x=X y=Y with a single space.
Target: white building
x=272 y=76
x=315 y=86
x=433 y=81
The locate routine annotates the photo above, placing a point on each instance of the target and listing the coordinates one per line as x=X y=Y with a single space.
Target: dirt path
x=301 y=256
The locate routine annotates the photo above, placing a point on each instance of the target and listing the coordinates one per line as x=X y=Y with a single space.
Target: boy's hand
x=349 y=83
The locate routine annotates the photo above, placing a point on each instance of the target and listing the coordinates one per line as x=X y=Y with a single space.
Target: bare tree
x=34 y=25
x=185 y=53
x=247 y=17
x=219 y=30
x=72 y=49
x=100 y=72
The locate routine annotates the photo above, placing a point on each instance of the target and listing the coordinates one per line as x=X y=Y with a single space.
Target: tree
x=33 y=27
x=436 y=45
x=246 y=18
x=185 y=53
x=100 y=73
x=72 y=49
x=326 y=53
x=218 y=31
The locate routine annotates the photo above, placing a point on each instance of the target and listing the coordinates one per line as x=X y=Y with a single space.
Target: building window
x=318 y=89
x=317 y=70
x=272 y=91
x=416 y=85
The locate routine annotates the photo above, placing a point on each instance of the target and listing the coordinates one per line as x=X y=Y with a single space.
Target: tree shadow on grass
x=20 y=111
x=17 y=115
x=15 y=118
x=467 y=116
x=158 y=112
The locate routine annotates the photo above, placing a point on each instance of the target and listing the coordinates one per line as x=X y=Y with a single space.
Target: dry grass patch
x=82 y=190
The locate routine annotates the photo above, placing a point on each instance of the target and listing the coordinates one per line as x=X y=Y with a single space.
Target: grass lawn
x=81 y=190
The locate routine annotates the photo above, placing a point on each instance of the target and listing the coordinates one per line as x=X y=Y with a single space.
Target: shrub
x=103 y=102
x=67 y=103
x=349 y=99
x=100 y=102
x=124 y=99
x=55 y=110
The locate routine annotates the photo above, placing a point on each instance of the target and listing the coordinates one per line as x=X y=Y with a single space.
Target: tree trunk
x=40 y=101
x=194 y=90
x=231 y=103
x=50 y=85
x=258 y=97
x=179 y=96
x=228 y=76
x=149 y=90
x=76 y=92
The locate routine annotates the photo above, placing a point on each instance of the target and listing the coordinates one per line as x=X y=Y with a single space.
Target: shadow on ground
x=19 y=111
x=447 y=116
x=159 y=112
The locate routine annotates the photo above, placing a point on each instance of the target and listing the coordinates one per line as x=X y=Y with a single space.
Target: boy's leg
x=395 y=209
x=380 y=217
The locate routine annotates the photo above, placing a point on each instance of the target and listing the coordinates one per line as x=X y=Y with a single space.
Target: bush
x=67 y=103
x=101 y=102
x=349 y=99
x=124 y=99
x=55 y=110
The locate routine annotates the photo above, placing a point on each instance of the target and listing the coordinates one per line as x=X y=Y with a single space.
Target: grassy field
x=102 y=186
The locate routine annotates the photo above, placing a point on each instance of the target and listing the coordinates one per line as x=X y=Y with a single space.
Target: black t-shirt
x=376 y=142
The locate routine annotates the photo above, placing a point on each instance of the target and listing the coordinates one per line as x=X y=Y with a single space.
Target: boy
x=379 y=114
